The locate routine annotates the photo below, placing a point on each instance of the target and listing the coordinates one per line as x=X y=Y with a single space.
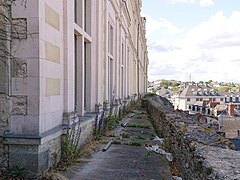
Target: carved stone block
x=19 y=68
x=19 y=28
x=19 y=105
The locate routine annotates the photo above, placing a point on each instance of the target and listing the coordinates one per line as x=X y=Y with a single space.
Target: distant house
x=232 y=97
x=197 y=98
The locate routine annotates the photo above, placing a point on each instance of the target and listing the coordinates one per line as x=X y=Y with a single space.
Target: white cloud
x=161 y=23
x=205 y=3
x=202 y=3
x=219 y=31
x=182 y=1
x=209 y=50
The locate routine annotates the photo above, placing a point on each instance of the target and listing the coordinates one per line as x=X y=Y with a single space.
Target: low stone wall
x=198 y=152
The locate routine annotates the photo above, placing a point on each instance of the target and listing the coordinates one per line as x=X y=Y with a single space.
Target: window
x=85 y=75
x=221 y=99
x=197 y=99
x=82 y=14
x=201 y=99
x=122 y=59
x=110 y=39
x=233 y=99
x=226 y=99
x=110 y=80
x=110 y=64
x=188 y=99
x=236 y=99
x=77 y=12
x=122 y=72
x=214 y=99
x=87 y=16
x=76 y=75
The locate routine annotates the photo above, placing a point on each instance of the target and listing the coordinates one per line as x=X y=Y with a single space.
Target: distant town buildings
x=205 y=99
x=219 y=110
x=197 y=98
x=73 y=58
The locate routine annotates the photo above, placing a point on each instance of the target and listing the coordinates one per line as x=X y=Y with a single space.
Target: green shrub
x=135 y=143
x=149 y=95
x=124 y=135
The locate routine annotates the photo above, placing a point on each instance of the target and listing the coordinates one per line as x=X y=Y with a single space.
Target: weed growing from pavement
x=70 y=145
x=138 y=117
x=124 y=135
x=111 y=121
x=138 y=126
x=98 y=137
x=149 y=95
x=135 y=143
x=116 y=142
x=15 y=172
x=140 y=137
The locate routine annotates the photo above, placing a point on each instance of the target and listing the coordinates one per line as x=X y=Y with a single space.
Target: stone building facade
x=71 y=58
x=197 y=98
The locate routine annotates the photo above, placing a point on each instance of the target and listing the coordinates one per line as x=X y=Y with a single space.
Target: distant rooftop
x=199 y=90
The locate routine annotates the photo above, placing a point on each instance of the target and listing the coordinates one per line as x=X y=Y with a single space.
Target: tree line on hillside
x=176 y=85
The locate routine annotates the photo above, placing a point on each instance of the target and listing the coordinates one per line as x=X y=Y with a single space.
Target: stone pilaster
x=98 y=118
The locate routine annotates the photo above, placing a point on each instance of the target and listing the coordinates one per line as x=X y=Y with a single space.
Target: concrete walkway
x=127 y=157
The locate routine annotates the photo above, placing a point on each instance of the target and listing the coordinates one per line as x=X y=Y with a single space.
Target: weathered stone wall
x=5 y=39
x=199 y=152
x=5 y=101
x=9 y=67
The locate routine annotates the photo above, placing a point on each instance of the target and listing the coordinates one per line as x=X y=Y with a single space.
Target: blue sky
x=197 y=37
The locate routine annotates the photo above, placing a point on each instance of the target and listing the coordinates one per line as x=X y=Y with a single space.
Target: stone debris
x=137 y=111
x=107 y=146
x=161 y=140
x=131 y=115
x=177 y=178
x=158 y=150
x=124 y=124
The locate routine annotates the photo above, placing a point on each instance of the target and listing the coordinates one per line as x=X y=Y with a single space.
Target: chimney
x=231 y=109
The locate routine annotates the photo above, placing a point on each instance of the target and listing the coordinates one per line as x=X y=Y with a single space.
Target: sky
x=197 y=40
